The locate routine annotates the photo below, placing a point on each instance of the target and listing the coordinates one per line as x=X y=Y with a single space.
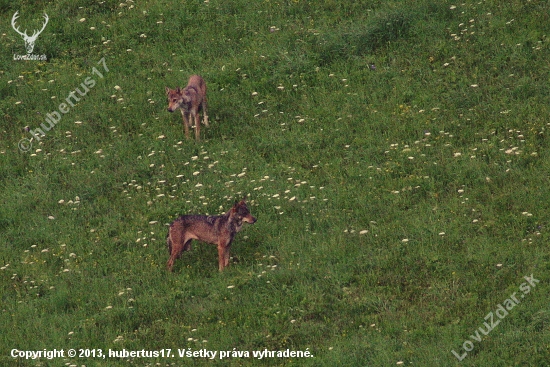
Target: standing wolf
x=189 y=100
x=215 y=229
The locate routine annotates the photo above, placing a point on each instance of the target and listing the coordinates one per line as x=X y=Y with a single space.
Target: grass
x=395 y=155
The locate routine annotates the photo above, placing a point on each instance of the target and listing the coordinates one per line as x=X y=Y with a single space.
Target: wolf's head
x=177 y=98
x=241 y=214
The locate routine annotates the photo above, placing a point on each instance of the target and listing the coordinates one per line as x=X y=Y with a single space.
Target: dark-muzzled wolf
x=215 y=229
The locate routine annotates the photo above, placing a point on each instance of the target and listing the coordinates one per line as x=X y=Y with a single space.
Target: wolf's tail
x=169 y=243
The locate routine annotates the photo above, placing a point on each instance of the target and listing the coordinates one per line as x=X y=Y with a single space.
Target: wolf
x=215 y=229
x=190 y=100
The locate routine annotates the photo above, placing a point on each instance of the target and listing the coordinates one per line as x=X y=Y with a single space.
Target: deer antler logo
x=29 y=40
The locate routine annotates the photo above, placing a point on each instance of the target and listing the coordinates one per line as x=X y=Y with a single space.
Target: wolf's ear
x=178 y=90
x=167 y=90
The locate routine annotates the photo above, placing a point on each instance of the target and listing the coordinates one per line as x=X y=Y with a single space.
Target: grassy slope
x=440 y=153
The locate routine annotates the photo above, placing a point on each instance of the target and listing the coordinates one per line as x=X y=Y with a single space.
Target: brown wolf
x=215 y=229
x=189 y=100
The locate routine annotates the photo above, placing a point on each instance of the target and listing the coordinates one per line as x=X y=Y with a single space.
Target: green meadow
x=395 y=153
